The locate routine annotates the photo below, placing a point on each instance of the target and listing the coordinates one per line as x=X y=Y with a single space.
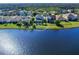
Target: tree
x=26 y=24
x=32 y=21
x=18 y=24
x=44 y=22
x=57 y=22
x=34 y=26
x=34 y=14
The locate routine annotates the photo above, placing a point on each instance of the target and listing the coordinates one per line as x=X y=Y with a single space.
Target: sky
x=39 y=1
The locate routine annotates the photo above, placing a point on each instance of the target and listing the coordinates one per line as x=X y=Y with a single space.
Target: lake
x=39 y=42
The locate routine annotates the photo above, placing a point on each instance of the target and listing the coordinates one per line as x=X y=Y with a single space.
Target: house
x=26 y=18
x=1 y=19
x=51 y=18
x=14 y=18
x=67 y=17
x=29 y=13
x=39 y=18
x=72 y=17
x=12 y=13
x=21 y=13
x=1 y=12
x=63 y=17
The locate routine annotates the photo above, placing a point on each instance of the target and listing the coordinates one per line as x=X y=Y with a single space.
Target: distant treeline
x=38 y=5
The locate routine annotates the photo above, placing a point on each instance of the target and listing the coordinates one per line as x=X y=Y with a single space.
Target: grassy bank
x=49 y=26
x=65 y=24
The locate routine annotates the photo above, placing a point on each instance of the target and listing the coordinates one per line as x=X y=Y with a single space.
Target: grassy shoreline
x=42 y=27
x=67 y=25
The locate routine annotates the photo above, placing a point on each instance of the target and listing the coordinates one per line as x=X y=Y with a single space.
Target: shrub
x=57 y=22
x=18 y=24
x=31 y=22
x=26 y=24
x=34 y=26
x=34 y=14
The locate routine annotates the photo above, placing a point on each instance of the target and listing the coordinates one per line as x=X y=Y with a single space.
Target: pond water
x=39 y=42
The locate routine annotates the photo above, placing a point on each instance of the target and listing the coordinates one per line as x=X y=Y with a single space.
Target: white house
x=1 y=12
x=39 y=17
x=21 y=13
x=67 y=17
x=29 y=13
x=72 y=16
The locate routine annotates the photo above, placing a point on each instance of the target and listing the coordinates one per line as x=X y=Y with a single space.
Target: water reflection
x=8 y=44
x=39 y=42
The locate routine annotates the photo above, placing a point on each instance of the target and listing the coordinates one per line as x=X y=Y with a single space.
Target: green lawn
x=70 y=24
x=49 y=26
x=10 y=26
x=65 y=24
